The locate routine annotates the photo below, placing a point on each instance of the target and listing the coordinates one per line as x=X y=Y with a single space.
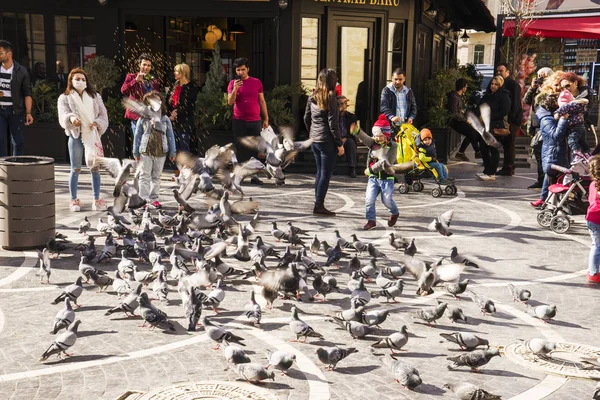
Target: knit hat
x=565 y=97
x=382 y=126
x=426 y=133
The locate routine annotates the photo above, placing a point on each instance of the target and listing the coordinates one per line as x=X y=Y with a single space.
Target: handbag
x=501 y=132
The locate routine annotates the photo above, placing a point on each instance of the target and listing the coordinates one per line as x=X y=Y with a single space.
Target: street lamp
x=431 y=11
x=465 y=38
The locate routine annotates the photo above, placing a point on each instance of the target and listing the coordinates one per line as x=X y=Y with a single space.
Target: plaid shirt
x=401 y=102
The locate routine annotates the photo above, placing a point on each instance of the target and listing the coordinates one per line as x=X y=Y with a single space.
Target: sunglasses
x=568 y=85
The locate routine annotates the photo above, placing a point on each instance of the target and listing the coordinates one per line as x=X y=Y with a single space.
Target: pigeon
x=128 y=304
x=522 y=295
x=356 y=329
x=382 y=281
x=398 y=243
x=64 y=317
x=342 y=242
x=215 y=297
x=457 y=288
x=160 y=288
x=353 y=282
x=353 y=314
x=119 y=170
x=460 y=259
x=125 y=266
x=374 y=317
x=278 y=234
x=295 y=230
x=373 y=252
x=103 y=228
x=468 y=391
x=483 y=128
x=193 y=307
x=358 y=245
x=369 y=271
x=540 y=347
x=334 y=256
x=218 y=334
x=101 y=281
x=441 y=224
x=285 y=281
x=466 y=340
x=254 y=373
x=411 y=249
x=360 y=296
x=55 y=247
x=456 y=314
x=394 y=291
x=109 y=250
x=45 y=265
x=72 y=292
x=315 y=245
x=405 y=375
x=354 y=264
x=234 y=354
x=474 y=359
x=543 y=312
x=301 y=329
x=84 y=225
x=322 y=287
x=486 y=305
x=596 y=393
x=395 y=341
x=333 y=355
x=252 y=310
x=281 y=360
x=395 y=271
x=62 y=342
x=152 y=315
x=432 y=314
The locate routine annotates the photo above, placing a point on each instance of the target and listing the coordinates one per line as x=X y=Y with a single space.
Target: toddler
x=153 y=141
x=382 y=150
x=593 y=220
x=428 y=155
x=575 y=108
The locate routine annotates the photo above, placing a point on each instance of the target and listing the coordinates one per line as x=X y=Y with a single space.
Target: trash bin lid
x=26 y=160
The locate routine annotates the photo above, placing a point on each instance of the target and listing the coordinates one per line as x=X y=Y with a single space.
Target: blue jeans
x=325 y=158
x=13 y=124
x=386 y=188
x=594 y=260
x=182 y=140
x=548 y=180
x=440 y=169
x=133 y=126
x=76 y=157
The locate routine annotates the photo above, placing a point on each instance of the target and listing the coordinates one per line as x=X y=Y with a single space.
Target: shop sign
x=586 y=56
x=381 y=3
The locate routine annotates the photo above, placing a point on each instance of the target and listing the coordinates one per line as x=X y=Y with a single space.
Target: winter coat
x=427 y=154
x=185 y=107
x=323 y=125
x=374 y=164
x=454 y=105
x=515 y=115
x=499 y=103
x=388 y=103
x=142 y=134
x=530 y=99
x=555 y=149
x=346 y=121
x=20 y=83
x=68 y=109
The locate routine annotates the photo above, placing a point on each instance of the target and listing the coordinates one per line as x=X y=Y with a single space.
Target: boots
x=321 y=210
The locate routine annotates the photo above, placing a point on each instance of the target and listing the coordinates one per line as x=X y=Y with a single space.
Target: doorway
x=352 y=46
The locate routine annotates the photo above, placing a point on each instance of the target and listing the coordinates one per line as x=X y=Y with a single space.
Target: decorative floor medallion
x=204 y=390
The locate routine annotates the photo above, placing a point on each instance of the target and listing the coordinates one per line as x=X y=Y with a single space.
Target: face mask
x=155 y=105
x=79 y=85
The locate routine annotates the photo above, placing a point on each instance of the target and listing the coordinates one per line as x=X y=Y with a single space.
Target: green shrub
x=45 y=98
x=279 y=103
x=103 y=73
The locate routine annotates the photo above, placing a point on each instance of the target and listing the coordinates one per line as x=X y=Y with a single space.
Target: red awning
x=558 y=27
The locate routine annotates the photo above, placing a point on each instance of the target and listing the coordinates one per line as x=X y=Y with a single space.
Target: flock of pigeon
x=200 y=251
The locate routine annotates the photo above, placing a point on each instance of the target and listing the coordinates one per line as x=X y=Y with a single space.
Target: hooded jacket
x=555 y=149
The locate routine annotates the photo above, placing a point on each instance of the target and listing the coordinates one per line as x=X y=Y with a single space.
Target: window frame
x=318 y=48
x=475 y=53
x=389 y=53
x=30 y=42
x=69 y=42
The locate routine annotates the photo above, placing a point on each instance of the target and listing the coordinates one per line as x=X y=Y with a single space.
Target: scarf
x=84 y=106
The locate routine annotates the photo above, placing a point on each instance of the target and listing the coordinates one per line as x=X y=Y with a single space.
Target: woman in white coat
x=82 y=114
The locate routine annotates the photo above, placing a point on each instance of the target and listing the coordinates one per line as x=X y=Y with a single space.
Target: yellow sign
x=382 y=3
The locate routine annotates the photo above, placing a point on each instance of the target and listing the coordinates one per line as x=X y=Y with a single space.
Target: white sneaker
x=99 y=205
x=75 y=205
x=485 y=177
x=479 y=174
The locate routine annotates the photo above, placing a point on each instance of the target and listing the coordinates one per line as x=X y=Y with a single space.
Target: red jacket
x=134 y=90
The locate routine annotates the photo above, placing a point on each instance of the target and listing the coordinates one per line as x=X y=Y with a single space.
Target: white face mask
x=155 y=105
x=79 y=85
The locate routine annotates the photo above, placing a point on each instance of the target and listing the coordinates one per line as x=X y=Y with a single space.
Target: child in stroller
x=567 y=197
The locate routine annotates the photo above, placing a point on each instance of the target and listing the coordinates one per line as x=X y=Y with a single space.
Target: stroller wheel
x=418 y=186
x=403 y=188
x=436 y=192
x=544 y=217
x=560 y=224
x=450 y=190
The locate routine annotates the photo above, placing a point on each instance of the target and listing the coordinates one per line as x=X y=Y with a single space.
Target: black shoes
x=255 y=181
x=460 y=157
x=536 y=185
x=506 y=172
x=352 y=173
x=321 y=210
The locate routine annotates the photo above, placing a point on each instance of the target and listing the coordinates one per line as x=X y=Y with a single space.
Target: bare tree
x=523 y=14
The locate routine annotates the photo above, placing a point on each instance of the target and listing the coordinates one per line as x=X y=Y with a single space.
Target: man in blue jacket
x=15 y=100
x=398 y=101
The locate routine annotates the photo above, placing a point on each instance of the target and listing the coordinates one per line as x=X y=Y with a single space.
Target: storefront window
x=26 y=33
x=395 y=46
x=478 y=54
x=309 y=56
x=75 y=41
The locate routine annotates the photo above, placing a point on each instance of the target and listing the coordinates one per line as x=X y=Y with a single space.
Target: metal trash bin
x=27 y=203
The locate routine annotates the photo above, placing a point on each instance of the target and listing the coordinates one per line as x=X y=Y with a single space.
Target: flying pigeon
x=441 y=224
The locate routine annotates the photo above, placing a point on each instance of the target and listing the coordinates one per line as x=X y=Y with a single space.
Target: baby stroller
x=406 y=137
x=566 y=198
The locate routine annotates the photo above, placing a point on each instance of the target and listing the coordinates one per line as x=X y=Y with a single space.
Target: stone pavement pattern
x=492 y=220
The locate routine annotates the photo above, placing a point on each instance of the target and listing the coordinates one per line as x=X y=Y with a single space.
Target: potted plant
x=437 y=89
x=45 y=137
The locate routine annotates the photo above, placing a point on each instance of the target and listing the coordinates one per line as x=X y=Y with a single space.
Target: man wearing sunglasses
x=15 y=100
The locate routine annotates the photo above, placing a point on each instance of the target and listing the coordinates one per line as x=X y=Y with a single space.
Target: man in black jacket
x=349 y=141
x=15 y=100
x=458 y=122
x=515 y=117
x=398 y=101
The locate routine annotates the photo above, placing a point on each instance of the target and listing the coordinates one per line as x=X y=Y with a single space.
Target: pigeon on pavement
x=45 y=265
x=395 y=341
x=457 y=288
x=461 y=259
x=254 y=372
x=281 y=360
x=128 y=304
x=468 y=391
x=301 y=328
x=405 y=375
x=218 y=334
x=432 y=314
x=540 y=346
x=485 y=304
x=456 y=314
x=543 y=312
x=466 y=340
x=64 y=317
x=234 y=354
x=62 y=342
x=522 y=295
x=152 y=315
x=474 y=359
x=333 y=355
x=72 y=292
